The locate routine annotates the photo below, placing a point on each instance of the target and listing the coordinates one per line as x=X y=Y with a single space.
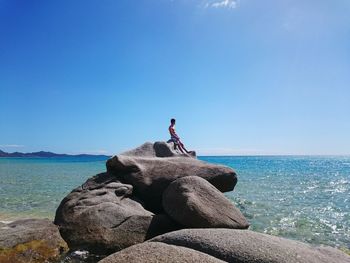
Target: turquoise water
x=34 y=187
x=303 y=198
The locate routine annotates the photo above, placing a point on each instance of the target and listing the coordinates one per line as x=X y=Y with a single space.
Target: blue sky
x=240 y=77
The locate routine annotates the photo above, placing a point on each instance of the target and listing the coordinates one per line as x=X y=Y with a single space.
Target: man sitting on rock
x=175 y=138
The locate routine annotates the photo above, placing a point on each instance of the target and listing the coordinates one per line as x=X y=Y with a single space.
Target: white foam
x=81 y=252
x=6 y=221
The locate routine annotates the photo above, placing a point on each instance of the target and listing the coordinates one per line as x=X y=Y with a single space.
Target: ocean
x=304 y=198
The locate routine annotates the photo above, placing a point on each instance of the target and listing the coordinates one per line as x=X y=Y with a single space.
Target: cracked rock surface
x=195 y=203
x=123 y=206
x=105 y=217
x=35 y=239
x=245 y=246
x=156 y=252
x=150 y=168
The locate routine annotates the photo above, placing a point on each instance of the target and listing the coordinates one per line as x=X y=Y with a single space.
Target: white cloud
x=101 y=151
x=231 y=4
x=12 y=146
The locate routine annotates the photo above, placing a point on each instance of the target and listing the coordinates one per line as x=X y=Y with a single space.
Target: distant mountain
x=45 y=154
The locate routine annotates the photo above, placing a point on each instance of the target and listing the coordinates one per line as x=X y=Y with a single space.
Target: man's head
x=172 y=121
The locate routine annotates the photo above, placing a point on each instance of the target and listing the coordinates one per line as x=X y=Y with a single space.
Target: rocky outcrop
x=157 y=149
x=102 y=216
x=36 y=239
x=244 y=246
x=150 y=168
x=195 y=203
x=123 y=207
x=159 y=252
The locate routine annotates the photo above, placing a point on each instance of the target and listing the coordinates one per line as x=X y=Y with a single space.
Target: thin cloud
x=231 y=4
x=12 y=145
x=101 y=151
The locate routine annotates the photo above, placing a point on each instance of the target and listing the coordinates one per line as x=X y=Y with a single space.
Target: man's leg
x=177 y=144
x=180 y=148
x=183 y=147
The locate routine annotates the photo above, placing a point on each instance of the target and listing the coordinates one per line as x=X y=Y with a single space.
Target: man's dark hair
x=172 y=120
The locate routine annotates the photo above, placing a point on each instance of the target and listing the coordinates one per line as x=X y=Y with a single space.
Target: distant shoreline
x=43 y=154
x=54 y=155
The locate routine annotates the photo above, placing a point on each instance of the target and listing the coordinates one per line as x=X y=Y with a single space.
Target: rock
x=195 y=203
x=245 y=246
x=159 y=252
x=157 y=149
x=150 y=168
x=36 y=239
x=102 y=216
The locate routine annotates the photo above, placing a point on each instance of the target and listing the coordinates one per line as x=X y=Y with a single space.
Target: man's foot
x=192 y=153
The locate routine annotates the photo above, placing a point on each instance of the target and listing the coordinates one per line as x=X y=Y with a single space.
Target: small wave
x=6 y=221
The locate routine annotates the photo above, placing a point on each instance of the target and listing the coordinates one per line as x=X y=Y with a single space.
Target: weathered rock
x=195 y=203
x=103 y=217
x=36 y=239
x=243 y=246
x=157 y=149
x=150 y=168
x=159 y=252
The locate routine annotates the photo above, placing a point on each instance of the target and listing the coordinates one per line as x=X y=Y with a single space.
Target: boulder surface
x=36 y=239
x=155 y=252
x=150 y=168
x=244 y=246
x=102 y=216
x=123 y=206
x=195 y=203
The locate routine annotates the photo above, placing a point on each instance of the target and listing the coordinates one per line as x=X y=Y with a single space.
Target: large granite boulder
x=115 y=210
x=154 y=252
x=102 y=216
x=244 y=246
x=157 y=149
x=36 y=239
x=150 y=168
x=195 y=203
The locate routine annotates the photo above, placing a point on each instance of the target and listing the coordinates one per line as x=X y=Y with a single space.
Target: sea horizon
x=201 y=155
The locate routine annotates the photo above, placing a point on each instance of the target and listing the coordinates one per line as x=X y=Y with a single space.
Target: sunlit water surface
x=304 y=198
